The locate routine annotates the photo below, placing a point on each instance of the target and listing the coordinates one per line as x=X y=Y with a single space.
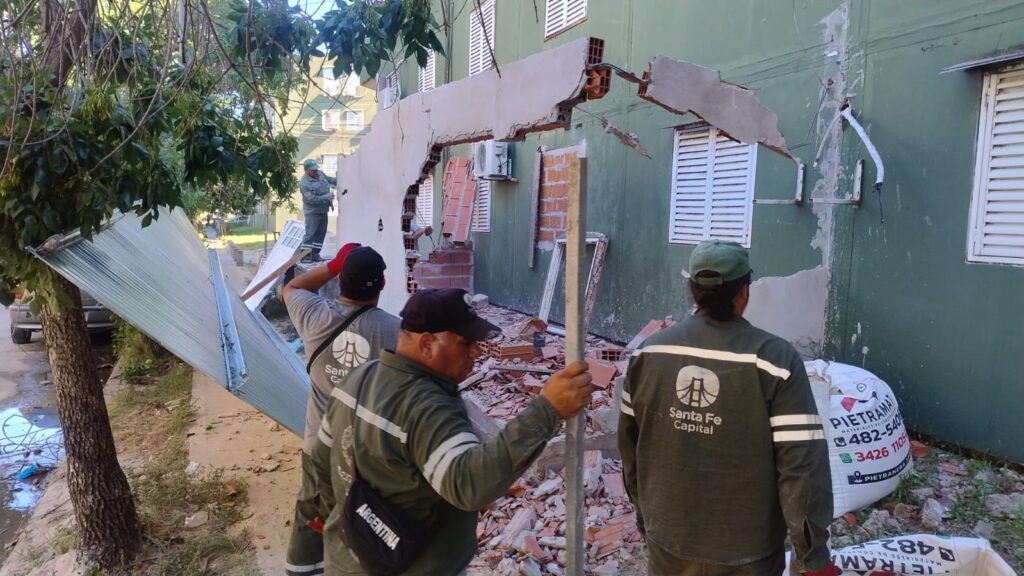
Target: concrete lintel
x=682 y=87
x=531 y=95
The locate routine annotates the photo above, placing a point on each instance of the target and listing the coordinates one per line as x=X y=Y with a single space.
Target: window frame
x=482 y=200
x=550 y=6
x=980 y=190
x=712 y=137
x=357 y=114
x=330 y=125
x=427 y=78
x=482 y=60
x=425 y=202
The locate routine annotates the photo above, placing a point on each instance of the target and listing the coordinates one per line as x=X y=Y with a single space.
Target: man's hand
x=568 y=390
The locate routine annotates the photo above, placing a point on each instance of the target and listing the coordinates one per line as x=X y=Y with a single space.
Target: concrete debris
x=983 y=529
x=196 y=520
x=1006 y=505
x=932 y=514
x=627 y=138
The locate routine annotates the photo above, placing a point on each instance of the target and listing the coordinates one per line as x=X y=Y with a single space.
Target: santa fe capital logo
x=697 y=387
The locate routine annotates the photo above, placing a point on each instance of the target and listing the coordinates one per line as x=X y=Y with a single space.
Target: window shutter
x=425 y=202
x=561 y=14
x=330 y=119
x=997 y=209
x=712 y=188
x=354 y=121
x=479 y=54
x=388 y=91
x=427 y=73
x=482 y=207
x=732 y=190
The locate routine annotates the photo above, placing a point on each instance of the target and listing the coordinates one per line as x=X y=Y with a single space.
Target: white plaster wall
x=392 y=156
x=792 y=307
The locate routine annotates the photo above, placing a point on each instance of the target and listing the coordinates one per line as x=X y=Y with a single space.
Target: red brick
x=559 y=190
x=461 y=256
x=558 y=205
x=546 y=236
x=552 y=222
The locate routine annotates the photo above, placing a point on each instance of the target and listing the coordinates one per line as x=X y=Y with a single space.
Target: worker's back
x=718 y=419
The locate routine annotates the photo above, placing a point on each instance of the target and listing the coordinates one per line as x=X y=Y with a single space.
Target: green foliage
x=360 y=36
x=134 y=126
x=134 y=352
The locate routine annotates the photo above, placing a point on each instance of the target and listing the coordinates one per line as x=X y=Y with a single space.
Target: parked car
x=24 y=323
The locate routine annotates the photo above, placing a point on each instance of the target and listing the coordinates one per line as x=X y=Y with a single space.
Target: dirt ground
x=231 y=435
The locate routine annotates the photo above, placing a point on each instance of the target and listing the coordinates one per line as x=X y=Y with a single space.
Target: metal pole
x=575 y=338
x=266 y=228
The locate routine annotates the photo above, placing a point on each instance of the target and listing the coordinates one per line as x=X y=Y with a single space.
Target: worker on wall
x=317 y=201
x=723 y=451
x=338 y=335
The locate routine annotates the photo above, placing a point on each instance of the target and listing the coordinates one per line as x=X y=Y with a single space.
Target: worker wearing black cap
x=400 y=421
x=338 y=335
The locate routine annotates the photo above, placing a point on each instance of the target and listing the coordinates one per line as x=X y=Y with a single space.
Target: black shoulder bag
x=383 y=538
x=337 y=332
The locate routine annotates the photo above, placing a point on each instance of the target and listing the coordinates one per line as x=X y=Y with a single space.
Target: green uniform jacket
x=413 y=442
x=723 y=451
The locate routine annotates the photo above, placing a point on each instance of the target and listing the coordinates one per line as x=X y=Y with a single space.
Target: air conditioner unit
x=492 y=160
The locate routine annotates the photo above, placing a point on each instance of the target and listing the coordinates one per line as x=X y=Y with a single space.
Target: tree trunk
x=99 y=491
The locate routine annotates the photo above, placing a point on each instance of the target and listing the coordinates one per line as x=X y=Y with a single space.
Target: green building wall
x=902 y=300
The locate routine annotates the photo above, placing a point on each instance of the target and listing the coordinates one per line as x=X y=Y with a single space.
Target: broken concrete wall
x=792 y=307
x=405 y=140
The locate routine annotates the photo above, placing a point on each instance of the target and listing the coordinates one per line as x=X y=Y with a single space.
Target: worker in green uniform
x=403 y=422
x=723 y=451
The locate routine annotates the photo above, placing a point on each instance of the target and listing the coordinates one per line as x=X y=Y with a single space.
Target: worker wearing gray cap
x=723 y=451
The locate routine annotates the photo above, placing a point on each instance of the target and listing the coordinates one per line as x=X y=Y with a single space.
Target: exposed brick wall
x=554 y=197
x=446 y=268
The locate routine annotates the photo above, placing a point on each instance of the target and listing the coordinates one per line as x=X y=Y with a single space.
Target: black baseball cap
x=446 y=310
x=362 y=274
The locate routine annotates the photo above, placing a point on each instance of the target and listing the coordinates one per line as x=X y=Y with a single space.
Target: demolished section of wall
x=682 y=87
x=533 y=94
x=446 y=268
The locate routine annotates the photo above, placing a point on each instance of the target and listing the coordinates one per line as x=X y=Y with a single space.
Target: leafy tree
x=119 y=105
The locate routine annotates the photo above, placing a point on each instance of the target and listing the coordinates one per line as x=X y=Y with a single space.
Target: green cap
x=726 y=261
x=310 y=164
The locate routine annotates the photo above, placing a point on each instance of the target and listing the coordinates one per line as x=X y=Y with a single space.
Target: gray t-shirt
x=315 y=318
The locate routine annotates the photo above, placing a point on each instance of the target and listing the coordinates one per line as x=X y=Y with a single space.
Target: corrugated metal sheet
x=158 y=278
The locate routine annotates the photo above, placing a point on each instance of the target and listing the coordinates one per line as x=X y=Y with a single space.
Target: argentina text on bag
x=383 y=538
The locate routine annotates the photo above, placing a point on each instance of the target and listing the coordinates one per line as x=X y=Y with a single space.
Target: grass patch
x=248 y=237
x=151 y=421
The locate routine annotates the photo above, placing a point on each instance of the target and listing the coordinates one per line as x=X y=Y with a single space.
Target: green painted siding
x=945 y=334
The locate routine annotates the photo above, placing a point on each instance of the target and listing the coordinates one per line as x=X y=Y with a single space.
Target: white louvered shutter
x=562 y=14
x=482 y=207
x=427 y=73
x=712 y=188
x=997 y=207
x=330 y=119
x=425 y=203
x=388 y=91
x=479 y=54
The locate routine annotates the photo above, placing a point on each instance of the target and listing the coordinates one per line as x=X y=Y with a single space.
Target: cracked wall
x=404 y=143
